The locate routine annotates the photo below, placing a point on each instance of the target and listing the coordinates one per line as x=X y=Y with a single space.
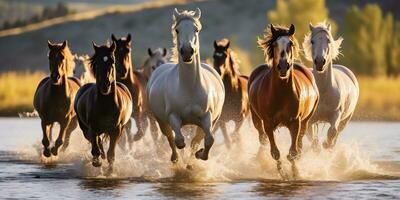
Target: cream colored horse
x=187 y=92
x=337 y=85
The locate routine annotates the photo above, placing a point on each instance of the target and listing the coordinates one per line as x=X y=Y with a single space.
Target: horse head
x=220 y=54
x=103 y=67
x=123 y=62
x=185 y=30
x=156 y=58
x=60 y=58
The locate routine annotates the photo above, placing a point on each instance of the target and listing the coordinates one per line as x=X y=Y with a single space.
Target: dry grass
x=17 y=90
x=379 y=99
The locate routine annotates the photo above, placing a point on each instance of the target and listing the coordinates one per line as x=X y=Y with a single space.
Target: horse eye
x=312 y=41
x=329 y=41
x=176 y=30
x=196 y=30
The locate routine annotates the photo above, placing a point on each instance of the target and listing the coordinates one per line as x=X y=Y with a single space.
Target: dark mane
x=268 y=39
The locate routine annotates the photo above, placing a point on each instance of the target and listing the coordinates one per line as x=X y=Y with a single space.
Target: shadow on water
x=186 y=190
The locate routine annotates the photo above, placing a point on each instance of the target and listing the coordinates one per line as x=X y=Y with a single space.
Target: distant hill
x=242 y=21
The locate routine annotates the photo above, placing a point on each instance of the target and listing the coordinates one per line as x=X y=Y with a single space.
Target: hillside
x=150 y=27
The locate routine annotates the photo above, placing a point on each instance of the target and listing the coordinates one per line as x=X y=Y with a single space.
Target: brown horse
x=104 y=106
x=236 y=107
x=54 y=98
x=136 y=83
x=284 y=94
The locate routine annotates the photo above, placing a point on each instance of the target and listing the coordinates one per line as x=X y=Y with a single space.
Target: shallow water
x=364 y=165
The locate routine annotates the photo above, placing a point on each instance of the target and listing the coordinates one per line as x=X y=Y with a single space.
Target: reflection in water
x=187 y=190
x=104 y=187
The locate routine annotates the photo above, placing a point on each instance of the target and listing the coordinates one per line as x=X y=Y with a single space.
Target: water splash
x=242 y=162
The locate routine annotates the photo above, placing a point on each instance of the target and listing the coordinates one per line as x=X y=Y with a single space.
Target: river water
x=365 y=164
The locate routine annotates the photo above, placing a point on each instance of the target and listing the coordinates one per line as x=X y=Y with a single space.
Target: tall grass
x=379 y=99
x=17 y=90
x=379 y=96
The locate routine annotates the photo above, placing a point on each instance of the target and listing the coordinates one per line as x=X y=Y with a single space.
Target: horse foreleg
x=176 y=124
x=46 y=129
x=60 y=139
x=302 y=132
x=332 y=131
x=262 y=136
x=312 y=135
x=71 y=127
x=208 y=139
x=153 y=129
x=114 y=137
x=167 y=131
x=141 y=124
x=294 y=129
x=237 y=137
x=196 y=140
x=95 y=140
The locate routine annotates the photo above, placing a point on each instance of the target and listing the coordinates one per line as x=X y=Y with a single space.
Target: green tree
x=367 y=34
x=393 y=52
x=300 y=13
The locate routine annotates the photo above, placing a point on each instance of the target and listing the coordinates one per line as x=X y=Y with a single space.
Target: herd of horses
x=103 y=93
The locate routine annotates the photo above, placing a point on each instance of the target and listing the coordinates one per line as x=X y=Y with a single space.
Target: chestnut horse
x=236 y=107
x=284 y=94
x=104 y=106
x=136 y=83
x=54 y=98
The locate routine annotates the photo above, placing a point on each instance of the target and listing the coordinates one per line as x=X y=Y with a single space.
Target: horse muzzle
x=187 y=54
x=55 y=78
x=105 y=88
x=319 y=64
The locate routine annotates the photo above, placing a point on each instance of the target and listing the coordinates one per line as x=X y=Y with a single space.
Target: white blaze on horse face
x=105 y=58
x=321 y=49
x=283 y=55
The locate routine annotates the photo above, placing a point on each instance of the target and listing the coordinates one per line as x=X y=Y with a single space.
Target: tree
x=300 y=13
x=367 y=34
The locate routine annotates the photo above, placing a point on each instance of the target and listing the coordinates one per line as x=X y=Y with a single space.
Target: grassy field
x=16 y=91
x=379 y=97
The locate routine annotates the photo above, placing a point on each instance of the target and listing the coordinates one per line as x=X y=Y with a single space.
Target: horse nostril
x=191 y=50
x=323 y=61
x=315 y=60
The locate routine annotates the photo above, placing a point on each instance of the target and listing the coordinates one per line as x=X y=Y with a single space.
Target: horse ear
x=64 y=44
x=197 y=14
x=113 y=46
x=215 y=44
x=95 y=47
x=164 y=52
x=176 y=13
x=113 y=37
x=150 y=52
x=291 y=30
x=273 y=30
x=49 y=44
x=227 y=44
x=310 y=26
x=129 y=37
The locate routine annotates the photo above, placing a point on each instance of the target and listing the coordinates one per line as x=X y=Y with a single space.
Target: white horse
x=187 y=92
x=337 y=85
x=82 y=69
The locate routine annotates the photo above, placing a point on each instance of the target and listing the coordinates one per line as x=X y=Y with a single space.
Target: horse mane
x=184 y=15
x=334 y=45
x=232 y=64
x=266 y=42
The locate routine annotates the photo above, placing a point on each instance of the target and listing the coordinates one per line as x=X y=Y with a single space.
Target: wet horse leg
x=114 y=138
x=341 y=126
x=262 y=137
x=332 y=131
x=95 y=140
x=295 y=127
x=46 y=129
x=72 y=126
x=312 y=135
x=269 y=130
x=142 y=124
x=176 y=124
x=167 y=131
x=208 y=139
x=60 y=139
x=237 y=137
x=153 y=129
x=128 y=136
x=303 y=129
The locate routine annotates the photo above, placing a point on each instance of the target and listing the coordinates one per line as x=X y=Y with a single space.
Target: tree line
x=371 y=43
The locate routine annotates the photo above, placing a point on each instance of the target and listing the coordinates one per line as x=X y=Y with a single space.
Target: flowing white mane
x=334 y=46
x=176 y=19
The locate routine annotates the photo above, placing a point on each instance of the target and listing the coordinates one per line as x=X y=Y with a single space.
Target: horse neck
x=63 y=87
x=324 y=79
x=232 y=75
x=282 y=84
x=189 y=74
x=111 y=97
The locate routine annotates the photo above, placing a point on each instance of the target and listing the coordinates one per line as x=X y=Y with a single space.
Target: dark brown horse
x=54 y=98
x=284 y=94
x=236 y=105
x=104 y=106
x=136 y=83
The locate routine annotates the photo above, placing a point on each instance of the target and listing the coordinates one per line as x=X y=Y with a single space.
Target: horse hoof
x=54 y=151
x=180 y=144
x=96 y=162
x=46 y=152
x=200 y=155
